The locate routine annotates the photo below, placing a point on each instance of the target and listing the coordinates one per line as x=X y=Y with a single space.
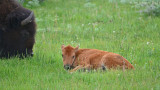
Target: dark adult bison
x=17 y=29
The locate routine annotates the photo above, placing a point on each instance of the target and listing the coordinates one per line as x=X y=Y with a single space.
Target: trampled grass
x=99 y=24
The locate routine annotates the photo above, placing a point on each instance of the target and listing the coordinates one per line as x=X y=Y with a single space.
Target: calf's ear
x=62 y=47
x=76 y=49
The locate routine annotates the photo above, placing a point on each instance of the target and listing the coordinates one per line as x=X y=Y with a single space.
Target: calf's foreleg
x=81 y=67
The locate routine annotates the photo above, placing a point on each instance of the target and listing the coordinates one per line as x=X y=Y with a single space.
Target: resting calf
x=75 y=59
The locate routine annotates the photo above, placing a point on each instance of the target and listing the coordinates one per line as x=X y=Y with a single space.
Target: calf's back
x=99 y=58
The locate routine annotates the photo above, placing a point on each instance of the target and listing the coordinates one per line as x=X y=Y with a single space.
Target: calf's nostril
x=67 y=67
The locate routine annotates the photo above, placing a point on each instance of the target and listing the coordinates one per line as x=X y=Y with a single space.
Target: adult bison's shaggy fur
x=17 y=29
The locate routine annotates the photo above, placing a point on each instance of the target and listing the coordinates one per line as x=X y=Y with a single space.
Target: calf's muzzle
x=68 y=67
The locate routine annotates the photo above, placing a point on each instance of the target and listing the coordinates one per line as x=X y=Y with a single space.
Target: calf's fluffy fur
x=75 y=59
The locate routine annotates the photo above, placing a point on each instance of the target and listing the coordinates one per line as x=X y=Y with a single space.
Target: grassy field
x=99 y=24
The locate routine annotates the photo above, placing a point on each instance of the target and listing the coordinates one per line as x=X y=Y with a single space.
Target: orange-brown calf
x=75 y=58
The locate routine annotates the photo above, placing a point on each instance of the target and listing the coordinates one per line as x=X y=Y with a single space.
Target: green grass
x=99 y=24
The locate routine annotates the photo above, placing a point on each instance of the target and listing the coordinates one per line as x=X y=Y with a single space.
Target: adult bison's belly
x=15 y=43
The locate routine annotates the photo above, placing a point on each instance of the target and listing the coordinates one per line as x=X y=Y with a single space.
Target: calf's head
x=69 y=56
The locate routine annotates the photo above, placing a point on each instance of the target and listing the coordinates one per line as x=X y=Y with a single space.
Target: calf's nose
x=67 y=67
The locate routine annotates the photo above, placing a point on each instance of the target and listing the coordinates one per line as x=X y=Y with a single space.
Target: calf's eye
x=62 y=55
x=73 y=56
